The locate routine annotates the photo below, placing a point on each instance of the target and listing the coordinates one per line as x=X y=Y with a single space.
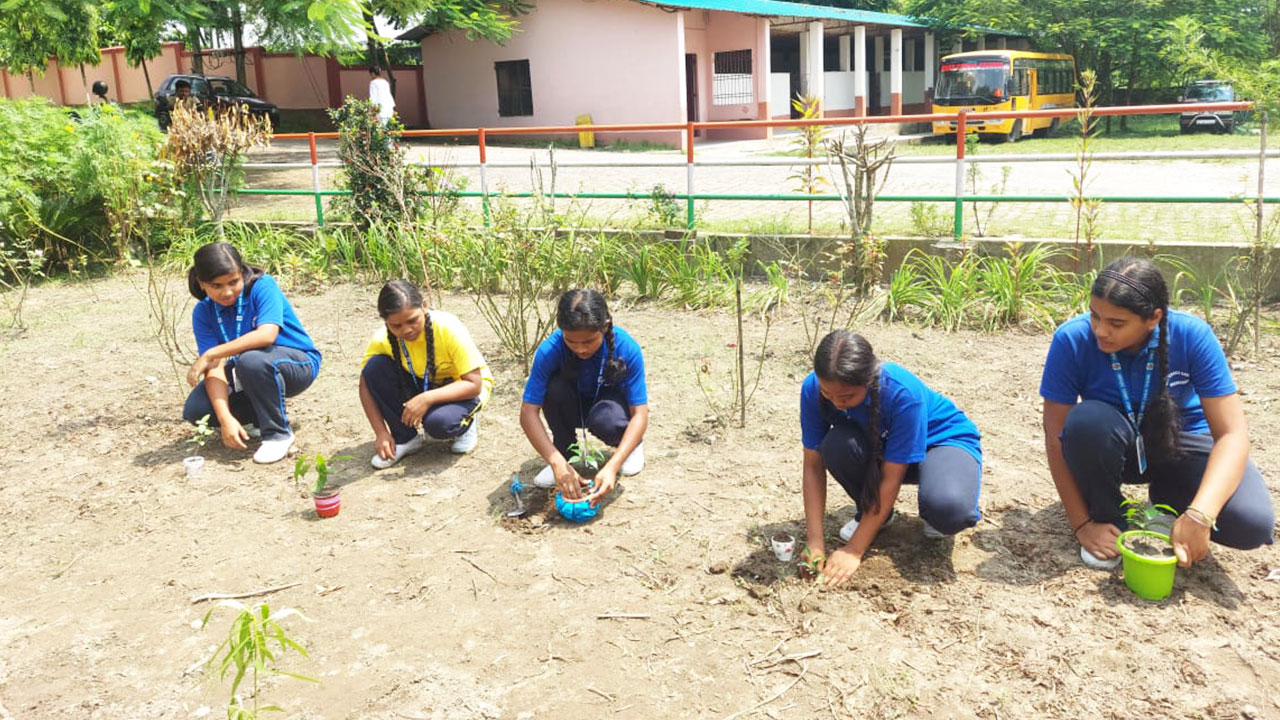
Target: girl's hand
x=1099 y=539
x=384 y=445
x=198 y=369
x=605 y=480
x=569 y=482
x=234 y=435
x=415 y=409
x=1190 y=541
x=840 y=567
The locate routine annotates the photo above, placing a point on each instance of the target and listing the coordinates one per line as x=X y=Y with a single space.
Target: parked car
x=212 y=91
x=1208 y=91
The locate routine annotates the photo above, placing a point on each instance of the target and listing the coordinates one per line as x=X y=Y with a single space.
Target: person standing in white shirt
x=380 y=94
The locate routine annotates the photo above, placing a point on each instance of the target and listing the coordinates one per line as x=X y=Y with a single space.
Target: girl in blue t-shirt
x=587 y=374
x=1134 y=392
x=254 y=352
x=874 y=426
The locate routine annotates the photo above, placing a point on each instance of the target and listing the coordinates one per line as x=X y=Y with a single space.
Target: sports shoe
x=402 y=450
x=273 y=450
x=545 y=479
x=634 y=462
x=850 y=527
x=932 y=533
x=466 y=442
x=1097 y=563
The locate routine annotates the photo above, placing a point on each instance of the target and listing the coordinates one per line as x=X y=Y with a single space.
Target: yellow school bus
x=990 y=80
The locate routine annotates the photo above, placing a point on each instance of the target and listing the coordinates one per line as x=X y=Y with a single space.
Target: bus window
x=969 y=82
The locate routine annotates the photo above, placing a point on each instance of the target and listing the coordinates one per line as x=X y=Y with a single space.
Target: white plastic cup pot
x=784 y=546
x=192 y=465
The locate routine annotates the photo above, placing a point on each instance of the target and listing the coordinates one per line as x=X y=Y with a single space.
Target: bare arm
x=260 y=337
x=1221 y=476
x=1097 y=538
x=215 y=384
x=815 y=502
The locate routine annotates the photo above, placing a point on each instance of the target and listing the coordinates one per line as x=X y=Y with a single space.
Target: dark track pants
x=1098 y=443
x=267 y=376
x=383 y=378
x=566 y=410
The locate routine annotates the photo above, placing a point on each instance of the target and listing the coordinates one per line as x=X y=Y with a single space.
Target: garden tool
x=516 y=488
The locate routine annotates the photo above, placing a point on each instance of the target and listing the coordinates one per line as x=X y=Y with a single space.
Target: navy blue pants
x=267 y=376
x=385 y=380
x=1098 y=443
x=565 y=410
x=949 y=478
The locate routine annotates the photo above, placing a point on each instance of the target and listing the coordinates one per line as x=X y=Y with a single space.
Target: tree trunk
x=1130 y=78
x=197 y=60
x=151 y=94
x=31 y=80
x=88 y=98
x=237 y=40
x=377 y=51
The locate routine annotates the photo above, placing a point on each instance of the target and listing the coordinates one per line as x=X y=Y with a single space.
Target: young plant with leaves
x=254 y=645
x=1087 y=209
x=810 y=142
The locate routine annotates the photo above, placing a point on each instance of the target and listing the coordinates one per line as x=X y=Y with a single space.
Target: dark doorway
x=691 y=85
x=873 y=79
x=784 y=56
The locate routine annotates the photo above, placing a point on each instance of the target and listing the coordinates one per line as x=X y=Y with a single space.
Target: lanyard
x=426 y=381
x=217 y=315
x=1128 y=404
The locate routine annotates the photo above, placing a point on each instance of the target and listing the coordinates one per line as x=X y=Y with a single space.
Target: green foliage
x=663 y=208
x=248 y=652
x=586 y=454
x=809 y=143
x=927 y=220
x=1142 y=515
x=206 y=149
x=1022 y=286
x=302 y=466
x=1087 y=209
x=201 y=432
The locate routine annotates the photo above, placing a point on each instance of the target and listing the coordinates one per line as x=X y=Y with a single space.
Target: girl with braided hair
x=875 y=426
x=420 y=369
x=587 y=374
x=1137 y=393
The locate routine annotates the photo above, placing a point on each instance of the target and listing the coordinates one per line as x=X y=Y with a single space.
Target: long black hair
x=215 y=260
x=399 y=295
x=585 y=309
x=1136 y=285
x=846 y=357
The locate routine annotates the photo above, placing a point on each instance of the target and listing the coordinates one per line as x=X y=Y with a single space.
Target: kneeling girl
x=420 y=369
x=874 y=426
x=587 y=374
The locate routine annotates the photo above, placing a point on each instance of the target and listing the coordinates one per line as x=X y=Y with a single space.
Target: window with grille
x=731 y=79
x=515 y=92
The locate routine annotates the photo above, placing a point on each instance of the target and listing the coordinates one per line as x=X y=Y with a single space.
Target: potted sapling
x=328 y=501
x=1149 y=560
x=588 y=458
x=200 y=435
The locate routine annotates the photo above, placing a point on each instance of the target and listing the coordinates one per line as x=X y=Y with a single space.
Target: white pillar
x=804 y=63
x=860 y=70
x=930 y=62
x=982 y=42
x=813 y=66
x=895 y=71
x=957 y=45
x=844 y=53
x=763 y=72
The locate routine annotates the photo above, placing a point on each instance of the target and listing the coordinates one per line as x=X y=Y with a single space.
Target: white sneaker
x=273 y=450
x=545 y=479
x=466 y=442
x=634 y=462
x=932 y=533
x=1097 y=563
x=402 y=450
x=851 y=527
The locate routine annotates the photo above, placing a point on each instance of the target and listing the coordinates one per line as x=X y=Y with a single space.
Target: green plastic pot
x=1148 y=578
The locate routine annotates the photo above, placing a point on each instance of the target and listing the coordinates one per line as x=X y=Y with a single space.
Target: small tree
x=809 y=142
x=207 y=149
x=1087 y=209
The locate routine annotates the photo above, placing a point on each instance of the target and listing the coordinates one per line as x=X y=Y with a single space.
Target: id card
x=235 y=388
x=1140 y=448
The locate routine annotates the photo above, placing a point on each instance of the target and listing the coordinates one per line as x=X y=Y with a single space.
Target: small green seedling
x=1142 y=515
x=584 y=454
x=303 y=465
x=247 y=651
x=201 y=433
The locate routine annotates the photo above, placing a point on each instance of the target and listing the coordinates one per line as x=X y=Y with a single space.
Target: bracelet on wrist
x=1077 y=528
x=1201 y=517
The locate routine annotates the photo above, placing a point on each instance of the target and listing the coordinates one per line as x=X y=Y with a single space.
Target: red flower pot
x=327 y=505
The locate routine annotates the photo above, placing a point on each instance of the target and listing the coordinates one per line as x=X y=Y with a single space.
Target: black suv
x=211 y=91
x=1208 y=91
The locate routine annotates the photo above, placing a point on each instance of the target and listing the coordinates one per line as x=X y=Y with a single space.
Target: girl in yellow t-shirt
x=424 y=370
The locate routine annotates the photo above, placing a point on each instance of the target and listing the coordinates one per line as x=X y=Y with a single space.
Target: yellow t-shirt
x=456 y=353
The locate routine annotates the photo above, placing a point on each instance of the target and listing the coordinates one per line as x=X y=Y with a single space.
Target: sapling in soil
x=1144 y=516
x=246 y=652
x=200 y=435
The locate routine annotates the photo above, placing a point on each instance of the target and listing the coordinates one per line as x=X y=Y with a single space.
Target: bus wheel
x=1016 y=133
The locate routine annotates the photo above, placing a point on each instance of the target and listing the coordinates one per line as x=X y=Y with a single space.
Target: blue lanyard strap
x=217 y=315
x=404 y=350
x=1124 y=389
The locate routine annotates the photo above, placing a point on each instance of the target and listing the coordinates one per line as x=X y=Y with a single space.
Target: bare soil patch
x=428 y=603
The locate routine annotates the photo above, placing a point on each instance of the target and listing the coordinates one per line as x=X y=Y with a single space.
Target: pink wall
x=126 y=84
x=296 y=84
x=355 y=82
x=620 y=61
x=708 y=32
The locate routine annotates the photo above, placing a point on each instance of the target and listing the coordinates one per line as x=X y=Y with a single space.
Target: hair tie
x=1142 y=290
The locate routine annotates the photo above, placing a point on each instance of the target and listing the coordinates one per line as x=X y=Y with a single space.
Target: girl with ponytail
x=874 y=426
x=254 y=352
x=421 y=368
x=587 y=374
x=1137 y=393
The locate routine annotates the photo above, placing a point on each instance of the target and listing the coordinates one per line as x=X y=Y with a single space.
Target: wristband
x=1077 y=528
x=1204 y=518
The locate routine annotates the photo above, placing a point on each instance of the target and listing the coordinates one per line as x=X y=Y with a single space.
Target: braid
x=615 y=367
x=406 y=387
x=871 y=482
x=431 y=346
x=1163 y=422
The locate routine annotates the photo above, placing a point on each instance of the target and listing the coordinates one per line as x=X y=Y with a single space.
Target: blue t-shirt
x=1077 y=370
x=553 y=355
x=265 y=305
x=913 y=418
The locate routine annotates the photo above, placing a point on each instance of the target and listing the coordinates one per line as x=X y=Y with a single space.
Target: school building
x=648 y=61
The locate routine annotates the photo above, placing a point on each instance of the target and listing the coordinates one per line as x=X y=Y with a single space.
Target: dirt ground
x=426 y=603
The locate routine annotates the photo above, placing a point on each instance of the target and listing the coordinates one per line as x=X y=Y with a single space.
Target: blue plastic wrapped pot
x=577 y=511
